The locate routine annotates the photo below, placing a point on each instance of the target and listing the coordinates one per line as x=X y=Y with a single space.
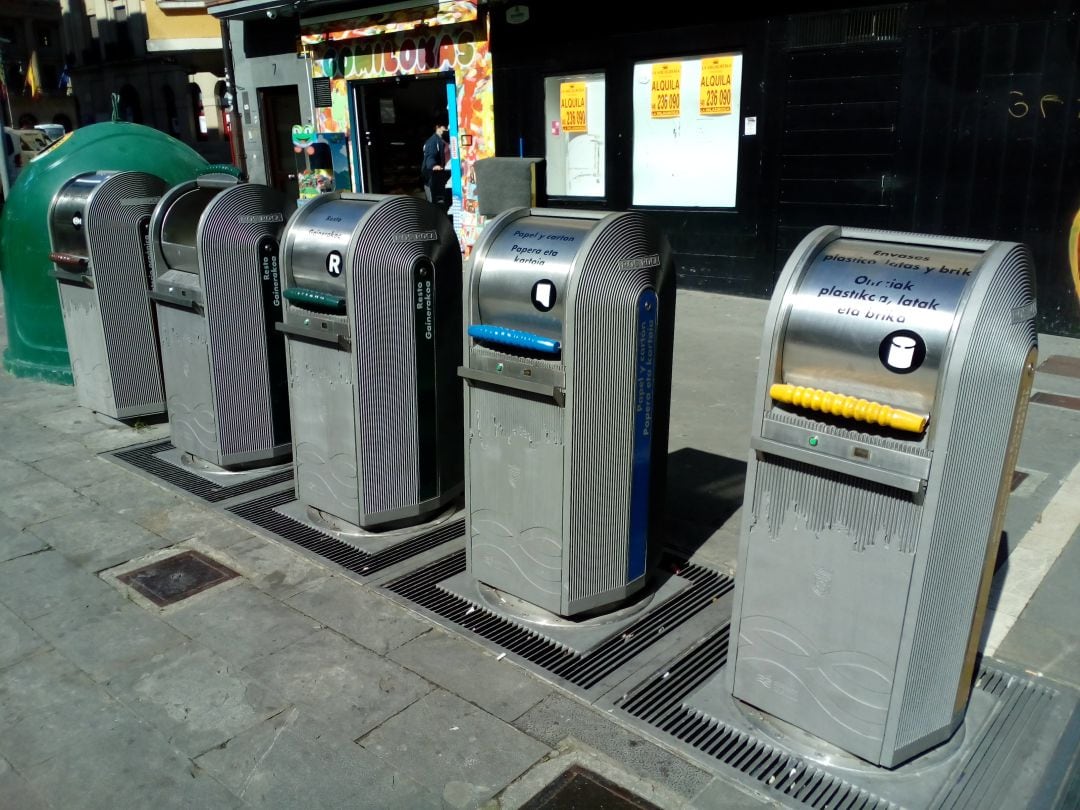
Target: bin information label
x=891 y=284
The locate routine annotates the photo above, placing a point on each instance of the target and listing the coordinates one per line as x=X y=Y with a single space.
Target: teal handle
x=317 y=298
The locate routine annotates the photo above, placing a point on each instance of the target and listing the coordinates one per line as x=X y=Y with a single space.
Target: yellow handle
x=862 y=410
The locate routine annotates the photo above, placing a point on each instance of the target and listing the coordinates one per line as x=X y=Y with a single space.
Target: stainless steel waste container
x=894 y=377
x=568 y=368
x=98 y=226
x=217 y=289
x=373 y=320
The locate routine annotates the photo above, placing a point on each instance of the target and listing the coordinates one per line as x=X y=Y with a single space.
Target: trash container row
x=888 y=410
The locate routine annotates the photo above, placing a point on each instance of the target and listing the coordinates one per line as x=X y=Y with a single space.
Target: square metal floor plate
x=1014 y=731
x=178 y=577
x=162 y=463
x=577 y=788
x=578 y=637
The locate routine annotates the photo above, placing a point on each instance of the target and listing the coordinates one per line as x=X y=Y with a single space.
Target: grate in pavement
x=178 y=577
x=578 y=787
x=145 y=458
x=261 y=512
x=1004 y=738
x=582 y=670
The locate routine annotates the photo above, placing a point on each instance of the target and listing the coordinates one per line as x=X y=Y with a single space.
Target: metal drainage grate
x=177 y=577
x=583 y=670
x=658 y=702
x=145 y=458
x=580 y=787
x=261 y=512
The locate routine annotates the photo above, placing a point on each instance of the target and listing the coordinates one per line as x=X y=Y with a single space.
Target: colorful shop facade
x=739 y=129
x=346 y=100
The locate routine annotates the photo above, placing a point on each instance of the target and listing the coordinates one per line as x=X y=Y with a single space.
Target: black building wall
x=944 y=117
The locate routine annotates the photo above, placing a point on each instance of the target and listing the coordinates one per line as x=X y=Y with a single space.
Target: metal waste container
x=890 y=401
x=217 y=289
x=98 y=226
x=373 y=320
x=568 y=371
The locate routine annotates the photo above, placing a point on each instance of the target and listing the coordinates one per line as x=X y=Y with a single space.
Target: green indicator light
x=813 y=441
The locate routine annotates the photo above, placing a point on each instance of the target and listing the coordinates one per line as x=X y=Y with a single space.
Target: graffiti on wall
x=462 y=49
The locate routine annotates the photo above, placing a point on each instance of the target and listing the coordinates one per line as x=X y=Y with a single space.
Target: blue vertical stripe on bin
x=645 y=373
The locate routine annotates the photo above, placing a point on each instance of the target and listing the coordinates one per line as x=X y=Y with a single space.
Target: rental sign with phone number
x=666 y=92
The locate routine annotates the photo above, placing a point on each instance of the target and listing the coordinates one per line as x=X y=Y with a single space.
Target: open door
x=393 y=117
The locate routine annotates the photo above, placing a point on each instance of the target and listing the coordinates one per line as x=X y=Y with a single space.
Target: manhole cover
x=579 y=789
x=176 y=578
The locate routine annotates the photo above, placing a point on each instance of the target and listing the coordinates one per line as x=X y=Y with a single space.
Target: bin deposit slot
x=849 y=407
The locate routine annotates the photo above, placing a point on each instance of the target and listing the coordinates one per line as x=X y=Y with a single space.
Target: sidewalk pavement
x=293 y=686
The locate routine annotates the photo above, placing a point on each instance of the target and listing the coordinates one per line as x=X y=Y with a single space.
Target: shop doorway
x=393 y=117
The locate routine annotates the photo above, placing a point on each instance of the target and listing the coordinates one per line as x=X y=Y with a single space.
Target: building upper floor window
x=574 y=144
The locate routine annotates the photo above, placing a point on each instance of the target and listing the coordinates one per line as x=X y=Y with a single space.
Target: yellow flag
x=32 y=82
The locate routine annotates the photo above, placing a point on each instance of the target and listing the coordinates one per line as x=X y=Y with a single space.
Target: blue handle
x=514 y=337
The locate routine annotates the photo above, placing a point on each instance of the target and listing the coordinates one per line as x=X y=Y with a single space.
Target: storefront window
x=574 y=116
x=686 y=131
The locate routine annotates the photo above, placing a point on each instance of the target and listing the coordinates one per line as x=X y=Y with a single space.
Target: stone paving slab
x=570 y=753
x=557 y=717
x=132 y=497
x=17 y=639
x=15 y=791
x=104 y=639
x=359 y=613
x=78 y=469
x=16 y=542
x=272 y=568
x=195 y=698
x=128 y=765
x=187 y=520
x=497 y=686
x=36 y=584
x=15 y=473
x=39 y=681
x=95 y=538
x=52 y=730
x=454 y=747
x=27 y=441
x=337 y=680
x=238 y=622
x=37 y=501
x=285 y=763
x=1048 y=629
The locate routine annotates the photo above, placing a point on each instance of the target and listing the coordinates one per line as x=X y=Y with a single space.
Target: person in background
x=434 y=155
